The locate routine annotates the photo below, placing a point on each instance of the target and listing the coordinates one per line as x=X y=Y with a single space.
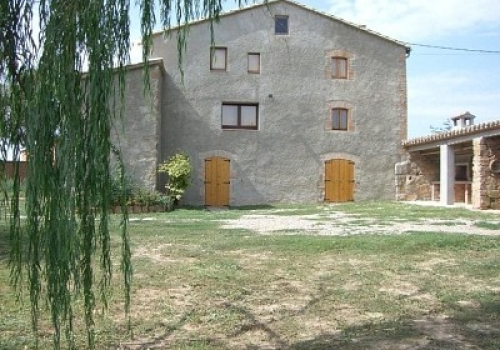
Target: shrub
x=119 y=189
x=178 y=168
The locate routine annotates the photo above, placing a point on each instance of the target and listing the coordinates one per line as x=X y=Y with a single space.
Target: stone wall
x=486 y=181
x=414 y=177
x=283 y=161
x=137 y=133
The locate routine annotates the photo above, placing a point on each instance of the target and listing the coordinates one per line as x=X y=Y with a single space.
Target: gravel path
x=341 y=224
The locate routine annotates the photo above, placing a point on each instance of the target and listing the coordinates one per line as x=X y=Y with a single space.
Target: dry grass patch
x=202 y=285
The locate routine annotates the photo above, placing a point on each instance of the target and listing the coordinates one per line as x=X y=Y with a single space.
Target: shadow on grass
x=166 y=340
x=160 y=340
x=469 y=328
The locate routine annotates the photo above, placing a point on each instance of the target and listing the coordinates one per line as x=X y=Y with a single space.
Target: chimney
x=462 y=121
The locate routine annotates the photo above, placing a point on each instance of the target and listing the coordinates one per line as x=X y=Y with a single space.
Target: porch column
x=480 y=172
x=447 y=177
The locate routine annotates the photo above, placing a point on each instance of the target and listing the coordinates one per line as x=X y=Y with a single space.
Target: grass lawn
x=203 y=282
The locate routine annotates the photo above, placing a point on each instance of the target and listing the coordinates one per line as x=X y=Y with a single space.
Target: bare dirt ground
x=340 y=224
x=222 y=295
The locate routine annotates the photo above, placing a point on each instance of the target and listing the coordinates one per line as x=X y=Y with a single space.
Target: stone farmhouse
x=288 y=105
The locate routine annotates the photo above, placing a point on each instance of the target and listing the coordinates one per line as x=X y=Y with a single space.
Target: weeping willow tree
x=63 y=118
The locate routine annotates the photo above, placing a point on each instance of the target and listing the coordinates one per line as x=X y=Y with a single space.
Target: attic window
x=281 y=25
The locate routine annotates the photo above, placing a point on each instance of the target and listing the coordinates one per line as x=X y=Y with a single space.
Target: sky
x=441 y=83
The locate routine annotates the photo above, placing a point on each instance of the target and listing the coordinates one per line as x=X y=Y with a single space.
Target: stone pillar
x=485 y=184
x=477 y=171
x=447 y=178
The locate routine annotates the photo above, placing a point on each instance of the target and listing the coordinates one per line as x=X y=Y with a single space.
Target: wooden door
x=339 y=180
x=217 y=173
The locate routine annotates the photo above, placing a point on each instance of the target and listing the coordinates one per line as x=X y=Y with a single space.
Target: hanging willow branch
x=63 y=118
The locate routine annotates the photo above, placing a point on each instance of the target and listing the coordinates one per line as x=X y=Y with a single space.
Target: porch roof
x=455 y=136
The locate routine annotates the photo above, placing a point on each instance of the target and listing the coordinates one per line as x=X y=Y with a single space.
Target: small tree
x=178 y=168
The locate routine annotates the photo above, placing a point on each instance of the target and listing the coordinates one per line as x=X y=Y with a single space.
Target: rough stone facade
x=415 y=177
x=282 y=161
x=137 y=134
x=486 y=183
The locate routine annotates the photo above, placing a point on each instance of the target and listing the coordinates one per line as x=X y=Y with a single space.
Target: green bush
x=178 y=168
x=117 y=189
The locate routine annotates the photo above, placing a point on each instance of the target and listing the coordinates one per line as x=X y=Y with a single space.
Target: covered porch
x=457 y=166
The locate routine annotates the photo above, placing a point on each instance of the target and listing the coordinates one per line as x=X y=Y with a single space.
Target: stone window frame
x=213 y=49
x=340 y=104
x=277 y=29
x=253 y=71
x=239 y=125
x=342 y=113
x=336 y=55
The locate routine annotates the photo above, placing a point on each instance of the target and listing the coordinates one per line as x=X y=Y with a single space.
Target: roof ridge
x=293 y=2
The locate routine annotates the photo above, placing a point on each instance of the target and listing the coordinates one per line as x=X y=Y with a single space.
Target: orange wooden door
x=217 y=173
x=339 y=180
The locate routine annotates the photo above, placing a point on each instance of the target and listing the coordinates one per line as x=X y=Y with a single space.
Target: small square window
x=281 y=25
x=240 y=116
x=339 y=118
x=218 y=58
x=254 y=63
x=338 y=67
